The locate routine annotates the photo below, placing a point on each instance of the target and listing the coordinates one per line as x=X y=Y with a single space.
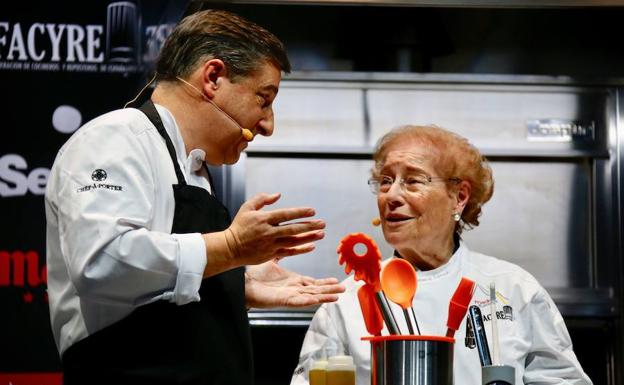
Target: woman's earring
x=456 y=217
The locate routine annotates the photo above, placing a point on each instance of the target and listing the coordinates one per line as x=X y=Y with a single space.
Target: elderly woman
x=431 y=184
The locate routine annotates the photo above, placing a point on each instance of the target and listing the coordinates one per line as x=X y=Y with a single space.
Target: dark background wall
x=48 y=90
x=577 y=42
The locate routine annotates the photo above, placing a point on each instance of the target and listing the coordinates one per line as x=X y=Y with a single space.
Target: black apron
x=206 y=342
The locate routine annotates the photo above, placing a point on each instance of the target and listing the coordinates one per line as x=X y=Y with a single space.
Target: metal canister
x=411 y=360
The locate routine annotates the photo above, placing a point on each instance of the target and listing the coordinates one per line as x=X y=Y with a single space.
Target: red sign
x=31 y=378
x=25 y=268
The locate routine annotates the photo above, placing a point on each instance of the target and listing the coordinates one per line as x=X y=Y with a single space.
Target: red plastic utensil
x=399 y=282
x=459 y=305
x=370 y=311
x=367 y=268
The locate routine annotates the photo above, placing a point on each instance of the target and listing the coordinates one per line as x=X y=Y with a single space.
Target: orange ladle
x=398 y=281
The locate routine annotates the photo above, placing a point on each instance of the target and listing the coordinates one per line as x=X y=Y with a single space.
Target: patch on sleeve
x=98 y=176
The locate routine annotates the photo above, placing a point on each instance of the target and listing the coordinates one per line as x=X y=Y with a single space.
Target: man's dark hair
x=214 y=34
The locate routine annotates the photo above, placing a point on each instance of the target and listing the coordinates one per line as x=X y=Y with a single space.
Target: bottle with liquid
x=317 y=373
x=340 y=371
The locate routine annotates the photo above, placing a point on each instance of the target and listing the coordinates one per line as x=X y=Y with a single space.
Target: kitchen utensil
x=476 y=320
x=493 y=322
x=459 y=305
x=386 y=312
x=370 y=311
x=367 y=268
x=399 y=282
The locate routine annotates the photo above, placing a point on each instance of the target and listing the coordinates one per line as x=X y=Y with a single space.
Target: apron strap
x=210 y=181
x=150 y=111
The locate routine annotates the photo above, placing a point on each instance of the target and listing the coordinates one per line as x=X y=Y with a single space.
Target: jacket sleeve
x=321 y=341
x=111 y=253
x=551 y=360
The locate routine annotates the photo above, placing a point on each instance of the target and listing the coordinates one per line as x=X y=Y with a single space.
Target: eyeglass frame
x=375 y=185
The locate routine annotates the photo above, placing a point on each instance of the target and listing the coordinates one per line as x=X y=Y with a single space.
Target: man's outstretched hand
x=257 y=235
x=270 y=285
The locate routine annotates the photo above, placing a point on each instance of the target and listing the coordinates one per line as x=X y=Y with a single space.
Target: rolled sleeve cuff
x=192 y=264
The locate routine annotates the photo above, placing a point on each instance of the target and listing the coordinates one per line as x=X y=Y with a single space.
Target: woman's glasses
x=411 y=184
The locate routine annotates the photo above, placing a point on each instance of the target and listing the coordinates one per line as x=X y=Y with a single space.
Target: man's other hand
x=270 y=285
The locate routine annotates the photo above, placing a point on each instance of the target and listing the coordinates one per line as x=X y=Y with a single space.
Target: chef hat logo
x=508 y=310
x=98 y=175
x=122 y=31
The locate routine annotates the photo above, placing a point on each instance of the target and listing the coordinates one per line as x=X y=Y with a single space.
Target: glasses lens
x=373 y=184
x=385 y=182
x=414 y=183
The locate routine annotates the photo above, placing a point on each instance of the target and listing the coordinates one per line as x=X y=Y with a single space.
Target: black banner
x=62 y=63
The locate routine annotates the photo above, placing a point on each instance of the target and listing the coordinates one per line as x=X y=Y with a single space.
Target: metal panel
x=491 y=118
x=539 y=218
x=308 y=117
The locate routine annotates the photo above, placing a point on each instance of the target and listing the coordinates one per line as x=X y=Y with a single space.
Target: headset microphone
x=247 y=134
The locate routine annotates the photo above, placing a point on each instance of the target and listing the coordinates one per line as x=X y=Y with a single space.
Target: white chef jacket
x=532 y=334
x=109 y=208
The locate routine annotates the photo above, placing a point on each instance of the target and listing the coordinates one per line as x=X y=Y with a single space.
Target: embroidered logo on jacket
x=99 y=175
x=505 y=314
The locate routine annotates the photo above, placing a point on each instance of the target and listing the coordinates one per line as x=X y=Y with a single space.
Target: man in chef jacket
x=149 y=278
